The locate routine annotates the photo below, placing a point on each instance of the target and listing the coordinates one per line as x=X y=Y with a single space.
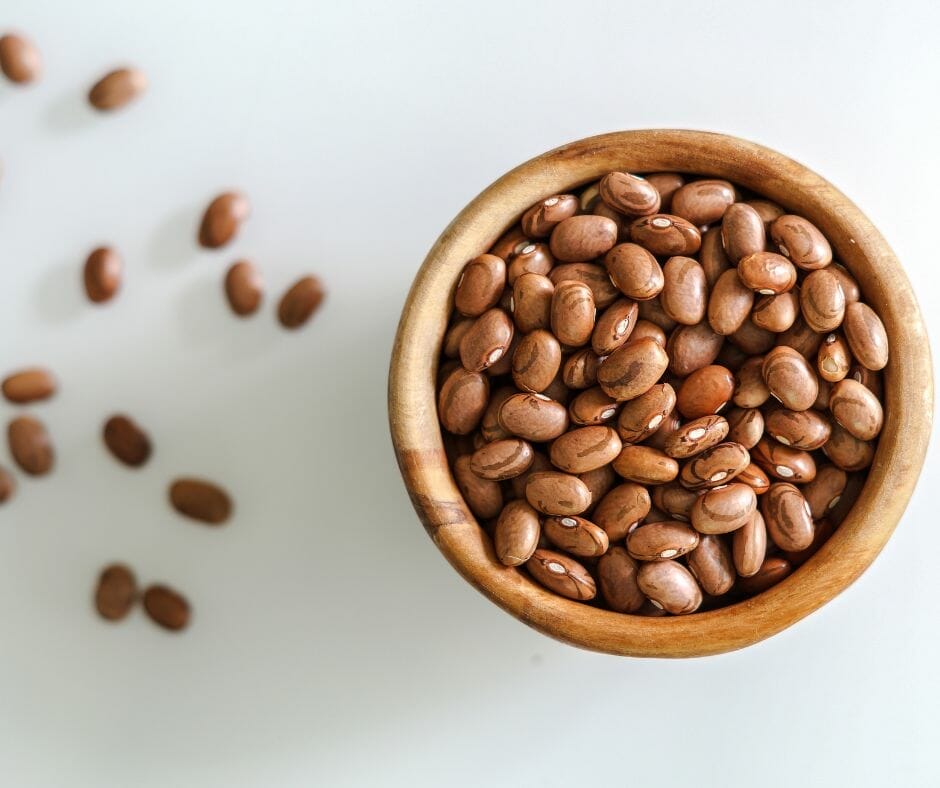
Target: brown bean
x=776 y=313
x=767 y=273
x=800 y=240
x=480 y=285
x=784 y=462
x=661 y=541
x=487 y=340
x=166 y=607
x=705 y=391
x=593 y=275
x=502 y=459
x=821 y=533
x=751 y=339
x=584 y=237
x=652 y=310
x=599 y=481
x=721 y=510
x=561 y=574
x=455 y=333
x=462 y=401
x=768 y=211
x=715 y=466
x=683 y=297
x=117 y=89
x=643 y=415
x=616 y=576
x=116 y=592
x=729 y=304
x=644 y=328
x=244 y=288
x=580 y=369
x=771 y=572
x=127 y=441
x=535 y=417
x=711 y=564
x=541 y=218
x=573 y=313
x=664 y=234
x=696 y=436
x=614 y=327
x=514 y=238
x=645 y=465
x=484 y=497
x=629 y=194
x=742 y=231
x=669 y=586
x=552 y=492
x=692 y=347
x=666 y=183
x=7 y=485
x=750 y=391
x=529 y=258
x=576 y=535
x=536 y=361
x=822 y=301
x=585 y=449
x=856 y=409
x=703 y=202
x=712 y=256
x=801 y=338
x=632 y=369
x=300 y=301
x=869 y=379
x=30 y=445
x=20 y=60
x=540 y=462
x=102 y=274
x=674 y=500
x=222 y=219
x=531 y=304
x=749 y=545
x=824 y=492
x=754 y=478
x=29 y=385
x=634 y=271
x=866 y=336
x=201 y=500
x=853 y=488
x=848 y=284
x=833 y=360
x=669 y=425
x=790 y=378
x=746 y=426
x=592 y=407
x=517 y=532
x=803 y=429
x=788 y=518
x=622 y=509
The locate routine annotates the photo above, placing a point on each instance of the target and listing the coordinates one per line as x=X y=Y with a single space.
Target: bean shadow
x=173 y=244
x=69 y=113
x=60 y=297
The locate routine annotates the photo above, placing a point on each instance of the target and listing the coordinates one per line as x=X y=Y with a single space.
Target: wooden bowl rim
x=908 y=384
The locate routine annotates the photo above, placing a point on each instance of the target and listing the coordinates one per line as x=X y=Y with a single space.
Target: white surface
x=331 y=644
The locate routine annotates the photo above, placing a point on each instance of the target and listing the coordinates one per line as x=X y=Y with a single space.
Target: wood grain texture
x=908 y=393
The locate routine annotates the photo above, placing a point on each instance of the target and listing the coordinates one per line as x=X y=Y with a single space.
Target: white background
x=331 y=644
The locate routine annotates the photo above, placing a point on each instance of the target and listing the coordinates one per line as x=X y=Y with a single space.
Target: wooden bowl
x=907 y=380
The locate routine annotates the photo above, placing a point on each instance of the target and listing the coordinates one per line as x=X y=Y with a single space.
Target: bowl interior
x=856 y=243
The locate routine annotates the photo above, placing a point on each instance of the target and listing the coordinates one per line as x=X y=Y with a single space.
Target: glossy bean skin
x=705 y=391
x=593 y=275
x=787 y=516
x=675 y=500
x=866 y=336
x=573 y=313
x=579 y=370
x=712 y=566
x=742 y=231
x=667 y=184
x=529 y=258
x=634 y=271
x=222 y=219
x=645 y=465
x=790 y=378
x=480 y=285
x=724 y=509
x=502 y=459
x=856 y=409
x=552 y=492
x=745 y=426
x=117 y=89
x=629 y=194
x=754 y=478
x=487 y=340
x=807 y=429
x=536 y=361
x=244 y=289
x=771 y=572
x=715 y=466
x=462 y=401
x=662 y=541
x=783 y=462
x=833 y=360
x=592 y=407
x=534 y=417
x=632 y=369
x=623 y=508
x=729 y=304
x=824 y=492
x=800 y=241
x=576 y=535
x=617 y=578
x=776 y=313
x=103 y=273
x=542 y=218
x=684 y=292
x=696 y=436
x=582 y=237
x=585 y=449
x=614 y=327
x=703 y=202
x=33 y=384
x=531 y=304
x=517 y=532
x=749 y=546
x=822 y=301
x=666 y=235
x=561 y=574
x=767 y=273
x=750 y=390
x=670 y=586
x=712 y=256
x=20 y=60
x=642 y=416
